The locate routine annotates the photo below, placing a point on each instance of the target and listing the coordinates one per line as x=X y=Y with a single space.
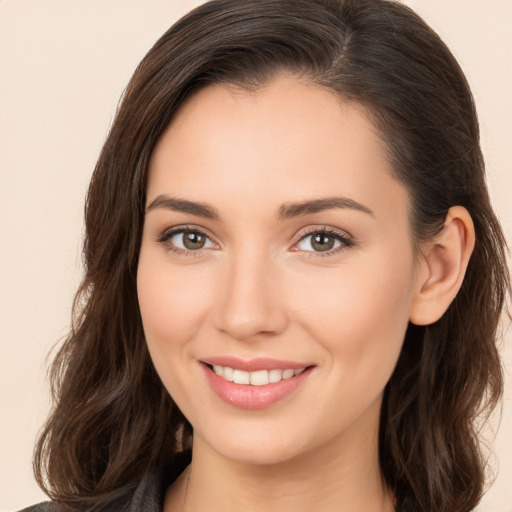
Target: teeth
x=275 y=375
x=228 y=373
x=241 y=377
x=258 y=378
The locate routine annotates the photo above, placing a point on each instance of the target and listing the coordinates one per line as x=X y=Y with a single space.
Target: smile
x=255 y=384
x=257 y=378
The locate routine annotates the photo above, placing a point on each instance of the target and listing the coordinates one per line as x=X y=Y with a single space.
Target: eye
x=183 y=240
x=324 y=241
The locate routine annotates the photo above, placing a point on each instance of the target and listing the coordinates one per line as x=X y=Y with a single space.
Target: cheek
x=172 y=301
x=359 y=312
x=358 y=316
x=173 y=305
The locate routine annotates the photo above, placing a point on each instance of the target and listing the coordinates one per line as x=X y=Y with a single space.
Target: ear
x=442 y=267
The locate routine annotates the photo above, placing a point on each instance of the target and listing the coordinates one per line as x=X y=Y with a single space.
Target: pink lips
x=246 y=396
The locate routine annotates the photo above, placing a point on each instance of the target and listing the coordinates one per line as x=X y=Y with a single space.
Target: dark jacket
x=146 y=496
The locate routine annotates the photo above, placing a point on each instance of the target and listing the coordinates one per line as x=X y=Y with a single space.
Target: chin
x=254 y=448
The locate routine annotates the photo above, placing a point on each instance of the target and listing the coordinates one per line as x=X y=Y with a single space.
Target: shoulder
x=146 y=495
x=46 y=506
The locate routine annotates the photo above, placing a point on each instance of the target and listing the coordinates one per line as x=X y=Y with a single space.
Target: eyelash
x=346 y=241
x=166 y=236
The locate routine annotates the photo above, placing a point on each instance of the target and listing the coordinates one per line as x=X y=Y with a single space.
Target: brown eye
x=324 y=242
x=186 y=240
x=193 y=240
x=321 y=242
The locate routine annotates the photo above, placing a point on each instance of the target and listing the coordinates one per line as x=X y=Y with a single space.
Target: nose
x=251 y=303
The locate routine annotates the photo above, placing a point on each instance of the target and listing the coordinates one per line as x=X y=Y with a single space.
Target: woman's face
x=275 y=239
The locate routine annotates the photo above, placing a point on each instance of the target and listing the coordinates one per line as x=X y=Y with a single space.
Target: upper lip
x=254 y=365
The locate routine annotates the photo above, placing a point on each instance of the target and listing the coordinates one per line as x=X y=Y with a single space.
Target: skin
x=258 y=288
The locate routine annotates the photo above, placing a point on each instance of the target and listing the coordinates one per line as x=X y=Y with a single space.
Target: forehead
x=287 y=141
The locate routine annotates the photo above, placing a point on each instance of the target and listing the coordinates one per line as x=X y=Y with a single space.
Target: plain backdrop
x=63 y=67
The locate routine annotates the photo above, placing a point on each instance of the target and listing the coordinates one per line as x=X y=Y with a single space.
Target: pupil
x=193 y=240
x=322 y=242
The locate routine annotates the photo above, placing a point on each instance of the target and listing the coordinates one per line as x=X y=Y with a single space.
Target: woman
x=293 y=275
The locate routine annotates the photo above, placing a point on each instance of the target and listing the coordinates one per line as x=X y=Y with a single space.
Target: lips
x=254 y=384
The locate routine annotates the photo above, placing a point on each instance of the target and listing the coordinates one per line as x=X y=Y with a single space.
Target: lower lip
x=246 y=396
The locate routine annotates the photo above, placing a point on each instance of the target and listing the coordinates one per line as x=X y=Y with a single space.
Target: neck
x=341 y=477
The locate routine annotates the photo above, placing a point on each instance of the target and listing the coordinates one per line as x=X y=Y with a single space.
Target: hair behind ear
x=448 y=378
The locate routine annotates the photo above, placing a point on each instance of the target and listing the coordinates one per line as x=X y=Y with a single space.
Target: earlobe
x=442 y=267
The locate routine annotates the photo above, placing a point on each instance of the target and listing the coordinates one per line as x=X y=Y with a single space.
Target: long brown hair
x=113 y=420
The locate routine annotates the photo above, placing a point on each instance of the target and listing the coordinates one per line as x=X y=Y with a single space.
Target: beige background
x=63 y=66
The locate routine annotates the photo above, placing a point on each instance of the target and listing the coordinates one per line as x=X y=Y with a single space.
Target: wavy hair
x=113 y=420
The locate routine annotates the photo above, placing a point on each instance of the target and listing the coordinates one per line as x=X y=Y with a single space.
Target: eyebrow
x=182 y=205
x=290 y=210
x=286 y=211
